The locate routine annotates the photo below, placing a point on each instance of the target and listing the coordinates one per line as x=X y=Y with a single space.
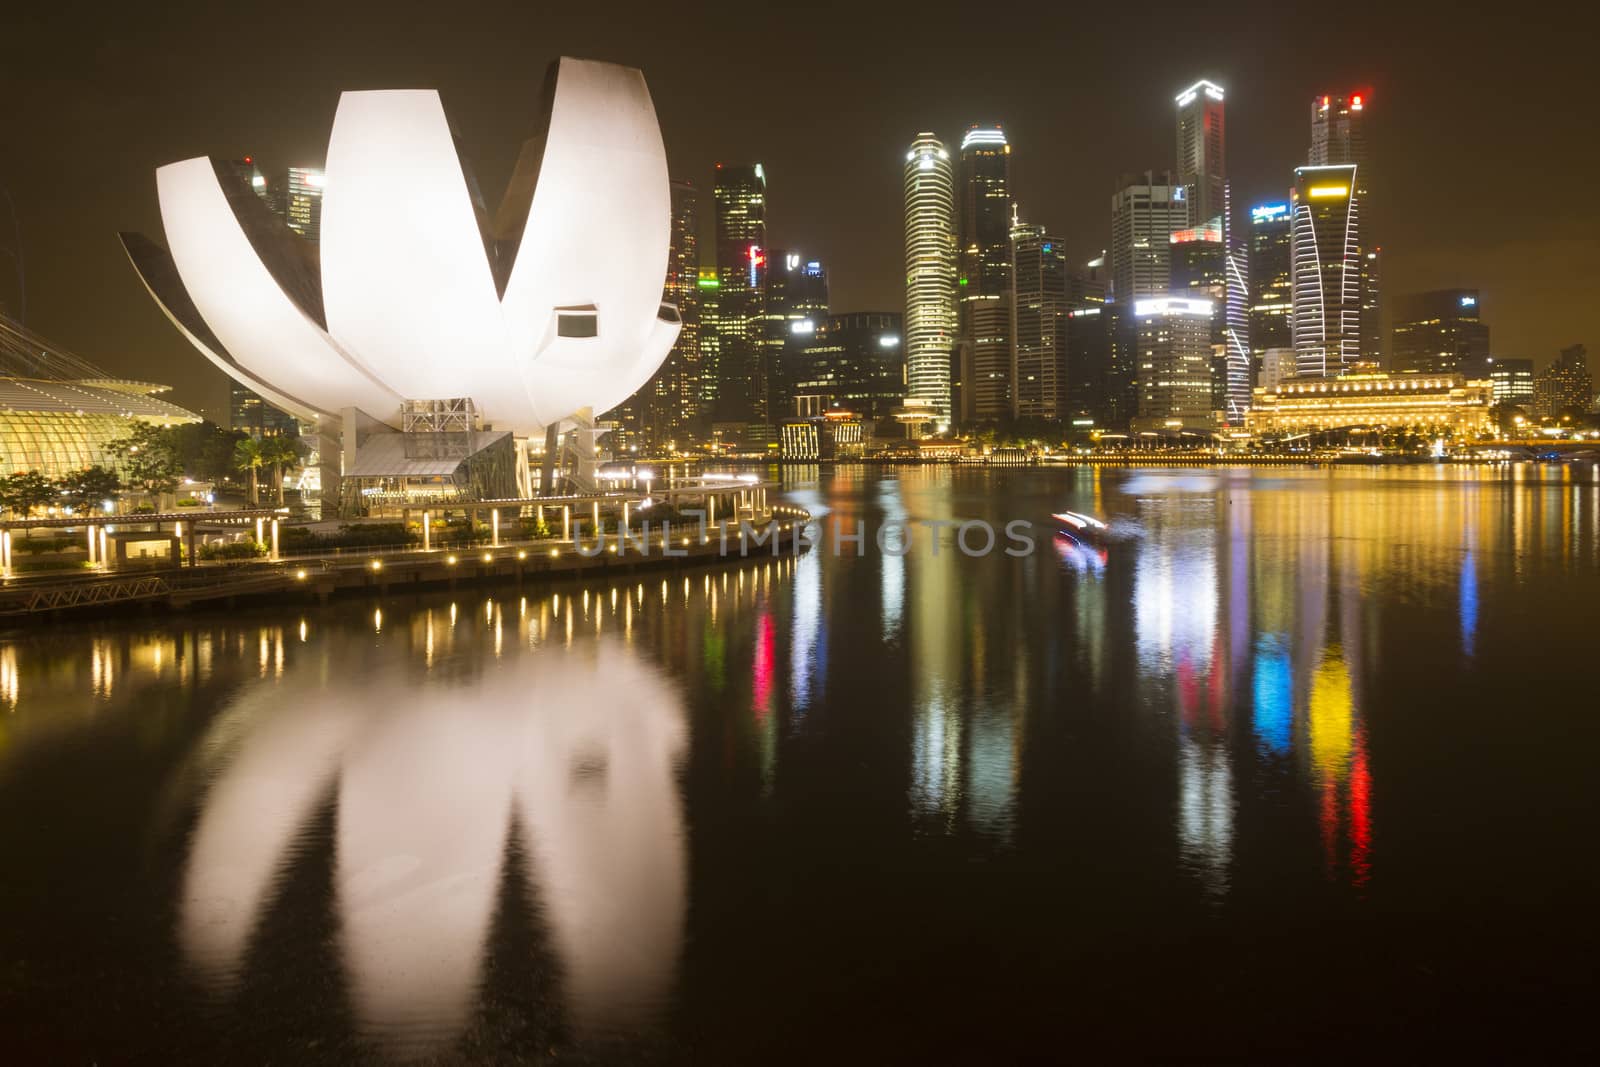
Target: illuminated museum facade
x=543 y=313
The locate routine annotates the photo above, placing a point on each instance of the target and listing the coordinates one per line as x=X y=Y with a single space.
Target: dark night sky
x=1484 y=132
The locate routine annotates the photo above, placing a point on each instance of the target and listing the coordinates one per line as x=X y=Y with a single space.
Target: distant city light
x=1328 y=192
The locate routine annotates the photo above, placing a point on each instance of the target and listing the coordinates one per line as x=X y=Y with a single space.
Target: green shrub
x=144 y=509
x=226 y=550
x=188 y=502
x=38 y=546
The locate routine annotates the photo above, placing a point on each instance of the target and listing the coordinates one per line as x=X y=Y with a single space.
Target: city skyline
x=836 y=187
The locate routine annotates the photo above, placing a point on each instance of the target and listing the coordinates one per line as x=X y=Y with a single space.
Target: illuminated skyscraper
x=1565 y=386
x=665 y=406
x=1439 y=332
x=303 y=202
x=710 y=339
x=1038 y=324
x=984 y=284
x=1513 y=381
x=741 y=202
x=930 y=318
x=796 y=307
x=1326 y=324
x=1145 y=212
x=1339 y=136
x=1338 y=131
x=853 y=362
x=1202 y=164
x=1174 y=350
x=1271 y=285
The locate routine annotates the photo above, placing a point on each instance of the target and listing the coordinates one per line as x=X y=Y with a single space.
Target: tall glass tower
x=930 y=319
x=1326 y=322
x=984 y=282
x=1202 y=164
x=740 y=194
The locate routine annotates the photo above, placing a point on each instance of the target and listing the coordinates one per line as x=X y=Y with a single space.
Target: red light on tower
x=248 y=159
x=1355 y=102
x=1325 y=102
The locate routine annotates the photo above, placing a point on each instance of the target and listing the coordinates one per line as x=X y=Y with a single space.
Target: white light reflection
x=583 y=744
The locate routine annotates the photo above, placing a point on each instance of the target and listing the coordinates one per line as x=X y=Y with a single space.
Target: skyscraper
x=796 y=306
x=740 y=193
x=303 y=202
x=1513 y=381
x=665 y=406
x=1338 y=131
x=1326 y=321
x=1145 y=212
x=1038 y=324
x=1339 y=136
x=984 y=284
x=1203 y=172
x=1439 y=332
x=855 y=362
x=1202 y=164
x=1271 y=284
x=710 y=340
x=1173 y=335
x=930 y=317
x=1565 y=386
x=1200 y=269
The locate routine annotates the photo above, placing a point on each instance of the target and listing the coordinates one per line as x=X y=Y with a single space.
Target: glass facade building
x=930 y=318
x=984 y=284
x=57 y=427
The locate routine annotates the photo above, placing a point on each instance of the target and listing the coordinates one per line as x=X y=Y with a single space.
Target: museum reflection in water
x=1229 y=635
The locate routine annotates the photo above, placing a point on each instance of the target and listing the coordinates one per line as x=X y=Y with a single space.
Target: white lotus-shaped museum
x=551 y=306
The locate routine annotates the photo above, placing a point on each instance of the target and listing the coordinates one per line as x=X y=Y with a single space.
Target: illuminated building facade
x=855 y=362
x=1423 y=404
x=1565 y=386
x=740 y=193
x=247 y=411
x=58 y=413
x=668 y=404
x=1202 y=163
x=1173 y=339
x=1145 y=212
x=1512 y=380
x=1271 y=279
x=1339 y=137
x=796 y=306
x=1440 y=332
x=400 y=304
x=709 y=289
x=984 y=284
x=1038 y=323
x=1089 y=388
x=1326 y=322
x=930 y=317
x=302 y=205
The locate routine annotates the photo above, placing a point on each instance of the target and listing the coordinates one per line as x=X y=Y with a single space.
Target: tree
x=85 y=490
x=149 y=459
x=26 y=490
x=248 y=456
x=280 y=452
x=216 y=456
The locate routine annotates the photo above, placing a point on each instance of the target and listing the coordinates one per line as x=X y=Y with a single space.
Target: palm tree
x=280 y=452
x=248 y=456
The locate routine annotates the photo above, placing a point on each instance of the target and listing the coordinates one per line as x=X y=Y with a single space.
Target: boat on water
x=1082 y=527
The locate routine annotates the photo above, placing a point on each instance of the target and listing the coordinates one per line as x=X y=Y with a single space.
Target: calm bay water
x=1300 y=764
